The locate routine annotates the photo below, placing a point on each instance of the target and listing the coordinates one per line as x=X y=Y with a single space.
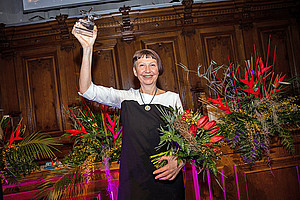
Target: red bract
x=202 y=121
x=209 y=124
x=12 y=138
x=216 y=138
x=219 y=102
x=250 y=84
x=213 y=130
x=263 y=68
x=193 y=130
x=76 y=132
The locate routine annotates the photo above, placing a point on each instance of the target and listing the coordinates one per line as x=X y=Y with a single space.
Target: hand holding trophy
x=85 y=29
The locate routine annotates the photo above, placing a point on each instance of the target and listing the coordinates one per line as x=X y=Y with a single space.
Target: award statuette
x=87 y=22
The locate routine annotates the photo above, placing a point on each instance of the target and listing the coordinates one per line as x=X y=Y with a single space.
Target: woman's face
x=146 y=70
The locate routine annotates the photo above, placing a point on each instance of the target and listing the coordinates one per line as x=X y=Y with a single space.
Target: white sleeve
x=178 y=103
x=105 y=95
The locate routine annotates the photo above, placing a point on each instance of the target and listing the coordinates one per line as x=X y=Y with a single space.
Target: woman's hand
x=85 y=41
x=170 y=170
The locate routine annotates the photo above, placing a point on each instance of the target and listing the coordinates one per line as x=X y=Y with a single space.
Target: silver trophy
x=87 y=22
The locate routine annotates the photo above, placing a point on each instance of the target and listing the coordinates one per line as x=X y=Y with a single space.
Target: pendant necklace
x=147 y=107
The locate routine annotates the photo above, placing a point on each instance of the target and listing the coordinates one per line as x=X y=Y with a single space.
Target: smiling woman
x=141 y=119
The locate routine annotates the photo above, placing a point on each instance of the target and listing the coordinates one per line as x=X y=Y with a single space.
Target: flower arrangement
x=97 y=134
x=254 y=109
x=191 y=137
x=19 y=154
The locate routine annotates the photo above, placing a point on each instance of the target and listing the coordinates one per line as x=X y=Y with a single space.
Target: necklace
x=147 y=107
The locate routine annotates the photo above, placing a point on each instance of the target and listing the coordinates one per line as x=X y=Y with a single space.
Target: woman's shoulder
x=170 y=94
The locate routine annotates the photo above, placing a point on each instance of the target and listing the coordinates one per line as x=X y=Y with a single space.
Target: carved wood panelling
x=104 y=70
x=280 y=39
x=285 y=55
x=168 y=80
x=8 y=88
x=219 y=48
x=171 y=55
x=43 y=94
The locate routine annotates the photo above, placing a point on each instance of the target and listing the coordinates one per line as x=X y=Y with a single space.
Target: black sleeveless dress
x=140 y=137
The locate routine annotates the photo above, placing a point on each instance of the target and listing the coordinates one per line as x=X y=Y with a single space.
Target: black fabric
x=140 y=137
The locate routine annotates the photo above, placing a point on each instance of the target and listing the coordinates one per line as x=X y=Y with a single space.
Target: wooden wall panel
x=8 y=88
x=219 y=48
x=125 y=51
x=168 y=80
x=103 y=70
x=275 y=184
x=171 y=54
x=43 y=94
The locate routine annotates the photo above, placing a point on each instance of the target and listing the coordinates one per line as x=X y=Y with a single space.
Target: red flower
x=250 y=83
x=209 y=124
x=76 y=132
x=193 y=130
x=12 y=138
x=216 y=138
x=185 y=115
x=219 y=102
x=187 y=112
x=213 y=130
x=202 y=121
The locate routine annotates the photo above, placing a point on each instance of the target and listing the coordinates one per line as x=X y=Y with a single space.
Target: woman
x=140 y=119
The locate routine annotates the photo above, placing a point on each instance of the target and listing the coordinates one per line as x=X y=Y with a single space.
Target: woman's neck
x=148 y=89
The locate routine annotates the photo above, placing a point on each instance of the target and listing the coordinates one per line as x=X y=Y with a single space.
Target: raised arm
x=87 y=43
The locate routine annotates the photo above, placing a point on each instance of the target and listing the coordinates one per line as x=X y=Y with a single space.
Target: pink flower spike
x=116 y=135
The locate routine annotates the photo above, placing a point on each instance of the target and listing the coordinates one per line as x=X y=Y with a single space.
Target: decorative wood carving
x=127 y=30
x=5 y=50
x=187 y=11
x=246 y=21
x=64 y=31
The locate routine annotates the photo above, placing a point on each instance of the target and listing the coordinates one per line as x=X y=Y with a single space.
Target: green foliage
x=19 y=158
x=200 y=150
x=97 y=137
